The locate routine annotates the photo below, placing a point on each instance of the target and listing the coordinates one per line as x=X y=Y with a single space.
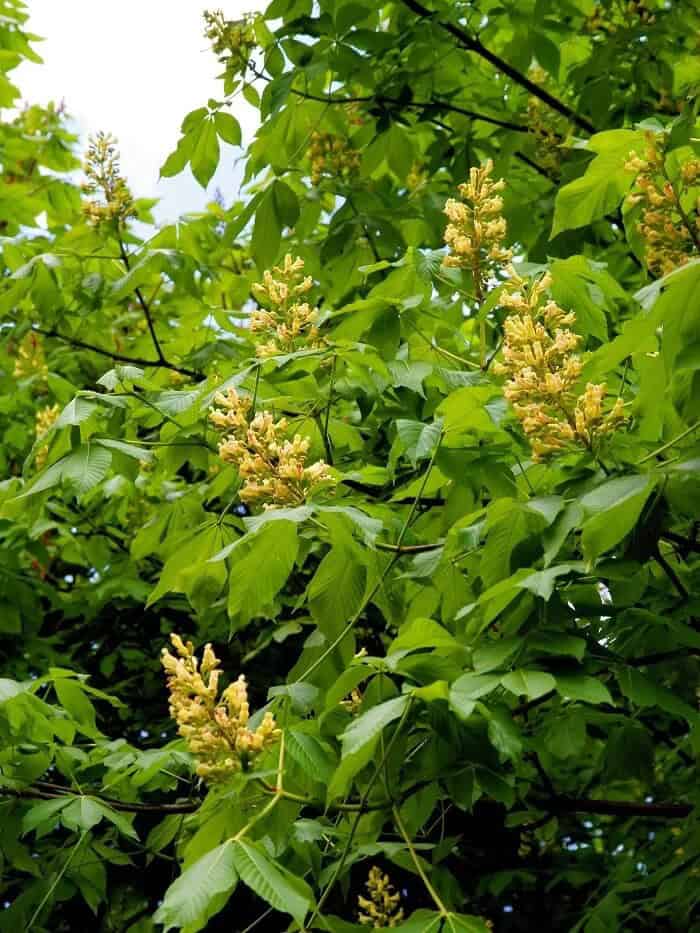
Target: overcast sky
x=135 y=68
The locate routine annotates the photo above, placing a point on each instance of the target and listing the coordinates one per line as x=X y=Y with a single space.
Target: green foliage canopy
x=484 y=667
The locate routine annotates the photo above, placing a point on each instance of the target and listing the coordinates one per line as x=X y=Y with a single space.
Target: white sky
x=134 y=68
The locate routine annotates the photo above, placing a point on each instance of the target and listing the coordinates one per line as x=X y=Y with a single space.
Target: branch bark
x=118 y=357
x=473 y=44
x=624 y=808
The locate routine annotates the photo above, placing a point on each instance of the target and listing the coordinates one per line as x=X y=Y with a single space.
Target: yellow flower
x=547 y=127
x=381 y=909
x=542 y=367
x=232 y=41
x=477 y=230
x=287 y=321
x=114 y=203
x=332 y=155
x=216 y=727
x=272 y=467
x=45 y=417
x=671 y=232
x=30 y=359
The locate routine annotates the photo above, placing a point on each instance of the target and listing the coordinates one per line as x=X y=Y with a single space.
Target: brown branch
x=624 y=808
x=671 y=574
x=33 y=793
x=118 y=357
x=435 y=103
x=144 y=307
x=408 y=548
x=473 y=44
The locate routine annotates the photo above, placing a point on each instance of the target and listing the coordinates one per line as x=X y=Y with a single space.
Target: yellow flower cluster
x=232 y=41
x=621 y=16
x=289 y=322
x=542 y=367
x=381 y=909
x=273 y=468
x=215 y=727
x=476 y=230
x=417 y=176
x=332 y=155
x=547 y=127
x=45 y=417
x=30 y=359
x=114 y=204
x=670 y=230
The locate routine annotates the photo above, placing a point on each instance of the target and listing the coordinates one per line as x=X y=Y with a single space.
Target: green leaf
x=277 y=208
x=312 y=755
x=270 y=881
x=467 y=689
x=370 y=724
x=614 y=509
x=228 y=128
x=84 y=468
x=422 y=633
x=44 y=812
x=583 y=687
x=504 y=734
x=205 y=154
x=260 y=570
x=82 y=814
x=200 y=892
x=531 y=684
x=644 y=692
x=603 y=185
x=542 y=582
x=337 y=589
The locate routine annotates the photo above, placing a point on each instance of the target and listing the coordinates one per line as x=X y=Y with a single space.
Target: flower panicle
x=542 y=367
x=113 y=202
x=285 y=319
x=232 y=41
x=382 y=907
x=332 y=155
x=44 y=420
x=272 y=466
x=668 y=225
x=547 y=128
x=214 y=724
x=30 y=359
x=476 y=231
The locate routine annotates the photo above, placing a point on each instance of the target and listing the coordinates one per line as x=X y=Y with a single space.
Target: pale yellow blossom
x=382 y=908
x=272 y=466
x=670 y=232
x=540 y=360
x=285 y=319
x=215 y=726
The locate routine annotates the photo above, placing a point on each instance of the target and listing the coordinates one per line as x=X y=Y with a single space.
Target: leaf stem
x=416 y=861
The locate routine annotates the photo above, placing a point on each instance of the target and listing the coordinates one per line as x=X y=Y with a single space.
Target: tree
x=386 y=475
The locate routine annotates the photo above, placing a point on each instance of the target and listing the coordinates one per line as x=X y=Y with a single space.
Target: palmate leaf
x=270 y=881
x=200 y=891
x=260 y=569
x=82 y=469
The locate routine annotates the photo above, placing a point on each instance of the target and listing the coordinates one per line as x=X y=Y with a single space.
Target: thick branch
x=118 y=357
x=473 y=44
x=435 y=103
x=625 y=808
x=33 y=793
x=144 y=307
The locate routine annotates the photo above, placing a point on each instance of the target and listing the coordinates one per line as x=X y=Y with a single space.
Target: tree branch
x=435 y=103
x=473 y=44
x=118 y=357
x=625 y=808
x=34 y=793
x=144 y=307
